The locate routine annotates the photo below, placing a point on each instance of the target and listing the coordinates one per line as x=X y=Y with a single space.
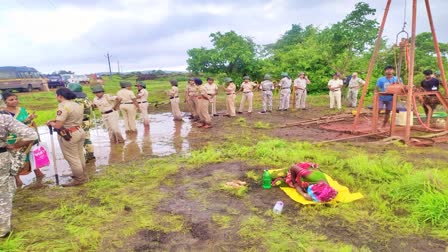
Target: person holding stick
x=71 y=136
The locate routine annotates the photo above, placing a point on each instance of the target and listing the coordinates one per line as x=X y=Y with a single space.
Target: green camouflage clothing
x=10 y=166
x=86 y=125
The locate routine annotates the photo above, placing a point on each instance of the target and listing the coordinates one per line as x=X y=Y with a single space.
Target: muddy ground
x=194 y=194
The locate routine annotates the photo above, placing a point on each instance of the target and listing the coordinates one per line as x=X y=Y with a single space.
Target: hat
x=125 y=84
x=210 y=78
x=301 y=73
x=267 y=77
x=97 y=89
x=355 y=73
x=246 y=78
x=141 y=83
x=173 y=82
x=75 y=87
x=191 y=79
x=284 y=74
x=228 y=80
x=197 y=81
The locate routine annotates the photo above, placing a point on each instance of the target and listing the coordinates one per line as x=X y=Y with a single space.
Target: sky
x=52 y=35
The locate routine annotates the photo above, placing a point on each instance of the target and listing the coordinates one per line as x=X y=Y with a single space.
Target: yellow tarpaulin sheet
x=344 y=194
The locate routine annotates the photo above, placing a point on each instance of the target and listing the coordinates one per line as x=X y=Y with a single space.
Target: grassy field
x=181 y=202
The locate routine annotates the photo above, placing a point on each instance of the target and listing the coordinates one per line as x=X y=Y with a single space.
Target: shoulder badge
x=59 y=112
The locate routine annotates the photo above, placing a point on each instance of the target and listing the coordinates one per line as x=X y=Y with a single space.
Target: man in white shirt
x=335 y=86
x=300 y=89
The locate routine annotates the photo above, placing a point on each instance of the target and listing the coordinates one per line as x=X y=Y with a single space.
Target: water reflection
x=163 y=137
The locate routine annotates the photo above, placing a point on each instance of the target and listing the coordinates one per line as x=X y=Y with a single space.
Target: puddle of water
x=163 y=137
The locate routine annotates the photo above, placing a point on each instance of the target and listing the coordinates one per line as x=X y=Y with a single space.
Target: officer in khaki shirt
x=230 y=97
x=106 y=103
x=247 y=88
x=205 y=120
x=174 y=100
x=191 y=98
x=71 y=136
x=300 y=85
x=142 y=100
x=212 y=91
x=128 y=106
x=267 y=86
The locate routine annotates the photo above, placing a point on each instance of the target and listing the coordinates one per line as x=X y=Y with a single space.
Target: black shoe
x=215 y=115
x=269 y=111
x=285 y=110
x=304 y=109
x=239 y=112
x=263 y=112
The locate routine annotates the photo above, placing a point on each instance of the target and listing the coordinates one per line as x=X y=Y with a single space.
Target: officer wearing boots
x=285 y=92
x=266 y=87
x=128 y=106
x=81 y=99
x=105 y=104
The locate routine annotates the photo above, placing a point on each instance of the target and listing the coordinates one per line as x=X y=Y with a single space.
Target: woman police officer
x=70 y=134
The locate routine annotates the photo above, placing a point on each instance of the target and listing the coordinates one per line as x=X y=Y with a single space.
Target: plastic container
x=267 y=179
x=278 y=207
x=400 y=118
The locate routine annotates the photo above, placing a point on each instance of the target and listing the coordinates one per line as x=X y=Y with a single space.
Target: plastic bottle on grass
x=278 y=208
x=267 y=179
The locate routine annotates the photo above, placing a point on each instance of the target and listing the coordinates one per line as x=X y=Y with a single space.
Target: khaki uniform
x=203 y=102
x=267 y=86
x=247 y=95
x=192 y=99
x=10 y=166
x=110 y=117
x=335 y=95
x=128 y=109
x=212 y=90
x=285 y=93
x=142 y=100
x=70 y=114
x=174 y=100
x=86 y=125
x=230 y=99
x=301 y=93
x=353 y=89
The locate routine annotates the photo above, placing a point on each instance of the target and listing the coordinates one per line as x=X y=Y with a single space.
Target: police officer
x=230 y=99
x=247 y=88
x=191 y=99
x=142 y=99
x=267 y=86
x=71 y=136
x=81 y=99
x=128 y=106
x=212 y=91
x=300 y=85
x=204 y=98
x=105 y=103
x=174 y=100
x=10 y=166
x=285 y=92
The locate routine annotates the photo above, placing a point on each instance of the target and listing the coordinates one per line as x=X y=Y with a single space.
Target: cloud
x=147 y=34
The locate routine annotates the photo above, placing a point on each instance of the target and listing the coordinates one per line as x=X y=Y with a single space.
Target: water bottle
x=278 y=207
x=266 y=179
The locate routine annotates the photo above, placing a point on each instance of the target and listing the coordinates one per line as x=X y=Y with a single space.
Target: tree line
x=344 y=47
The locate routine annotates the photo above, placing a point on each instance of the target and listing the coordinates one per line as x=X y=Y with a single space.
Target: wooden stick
x=352 y=137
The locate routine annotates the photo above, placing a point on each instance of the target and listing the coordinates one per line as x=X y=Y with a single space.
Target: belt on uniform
x=73 y=129
x=301 y=89
x=266 y=90
x=230 y=94
x=286 y=87
x=336 y=90
x=174 y=97
x=127 y=103
x=3 y=149
x=210 y=94
x=247 y=92
x=142 y=102
x=107 y=112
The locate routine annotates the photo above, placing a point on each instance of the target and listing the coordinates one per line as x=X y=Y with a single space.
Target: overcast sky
x=147 y=34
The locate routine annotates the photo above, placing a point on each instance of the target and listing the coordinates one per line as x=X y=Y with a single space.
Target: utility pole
x=118 y=66
x=108 y=56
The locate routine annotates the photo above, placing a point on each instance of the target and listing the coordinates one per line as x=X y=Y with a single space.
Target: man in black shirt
x=430 y=102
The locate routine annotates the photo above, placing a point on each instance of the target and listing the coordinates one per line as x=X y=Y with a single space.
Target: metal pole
x=371 y=64
x=56 y=175
x=407 y=135
x=108 y=61
x=436 y=46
